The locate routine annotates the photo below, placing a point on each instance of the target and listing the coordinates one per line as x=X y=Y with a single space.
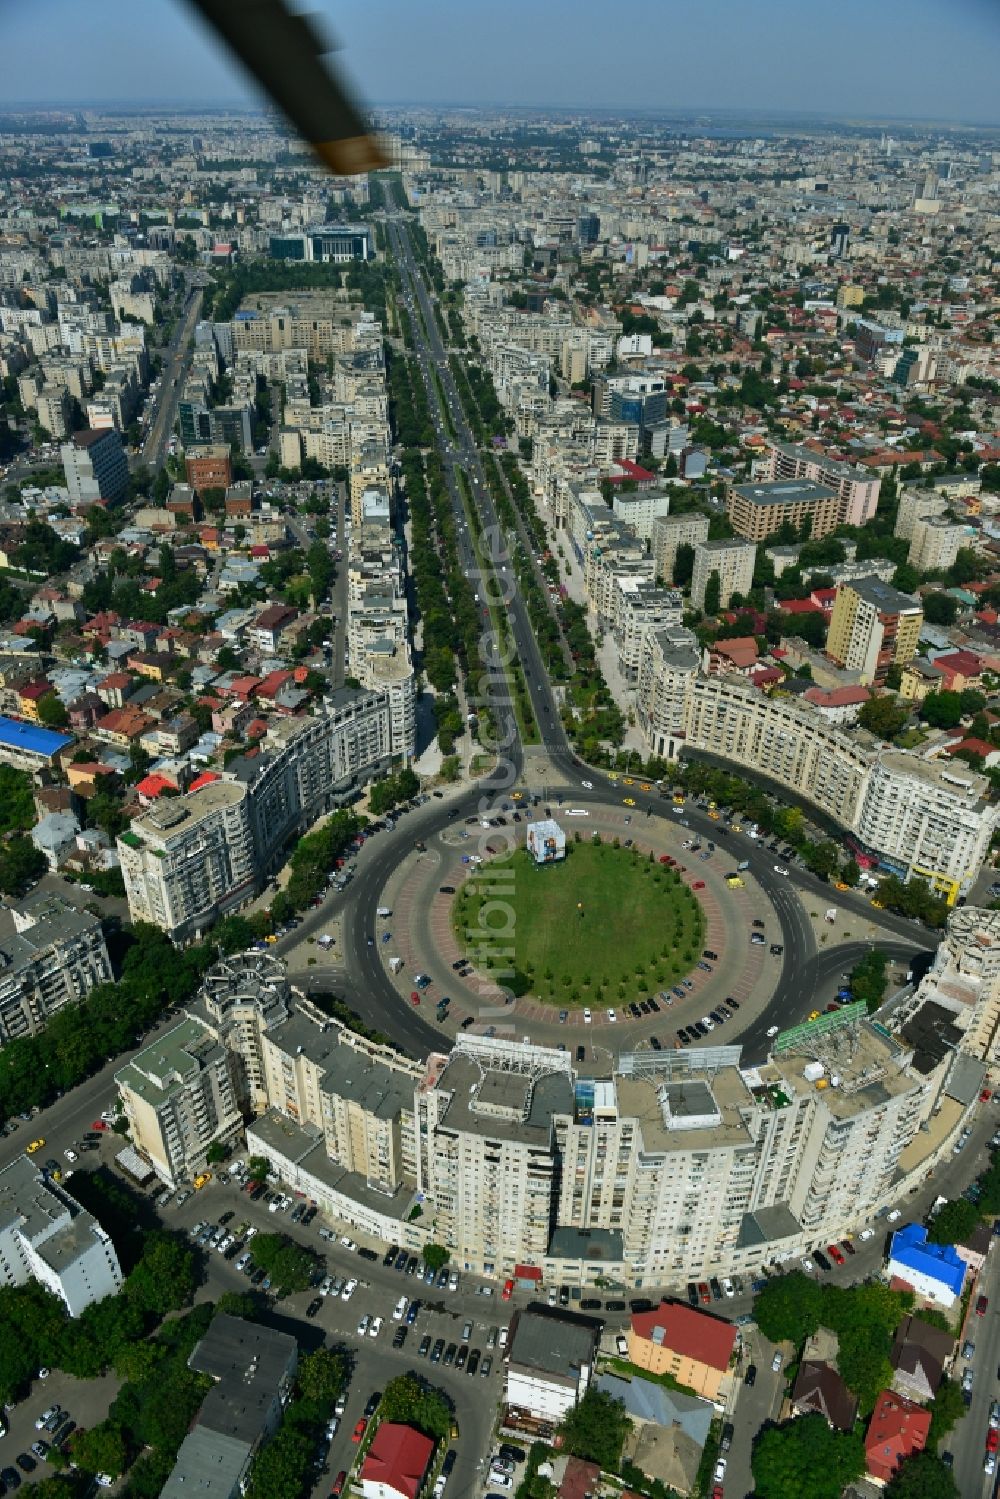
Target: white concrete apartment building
x=46 y=1236
x=640 y=607
x=189 y=859
x=675 y=1166
x=914 y=505
x=935 y=543
x=54 y=957
x=928 y=820
x=667 y=533
x=732 y=560
x=917 y=818
x=181 y=1095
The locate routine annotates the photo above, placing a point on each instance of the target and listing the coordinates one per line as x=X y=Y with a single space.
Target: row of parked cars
x=723 y=1011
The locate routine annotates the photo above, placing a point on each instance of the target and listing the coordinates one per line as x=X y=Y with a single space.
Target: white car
x=894 y=1215
x=780 y=869
x=326 y=1285
x=728 y=1287
x=375 y=1327
x=349 y=1290
x=776 y=1362
x=772 y=1030
x=587 y=785
x=587 y=1017
x=612 y=1017
x=399 y=1310
x=348 y=1243
x=363 y=1325
x=71 y=1155
x=867 y=1233
x=250 y=1232
x=806 y=1263
x=500 y=1480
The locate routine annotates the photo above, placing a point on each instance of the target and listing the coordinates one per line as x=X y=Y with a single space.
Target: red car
x=992 y=1439
x=704 y=1293
x=508 y=1290
x=359 y=1430
x=981 y=1306
x=414 y=997
x=99 y=1124
x=835 y=1254
x=338 y=1484
x=717 y=1491
x=698 y=885
x=665 y=859
x=985 y=1096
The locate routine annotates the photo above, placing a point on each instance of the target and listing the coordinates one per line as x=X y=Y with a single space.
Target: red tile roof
x=687 y=1331
x=205 y=779
x=898 y=1428
x=398 y=1457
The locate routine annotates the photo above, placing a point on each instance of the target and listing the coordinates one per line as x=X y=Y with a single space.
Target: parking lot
x=463 y=1327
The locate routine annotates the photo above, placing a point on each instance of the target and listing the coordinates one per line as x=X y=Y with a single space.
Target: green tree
x=942 y=710
x=21 y=864
x=279 y=1467
x=435 y=1256
x=595 y=1429
x=788 y=1308
x=164 y=1278
x=953 y=1222
x=322 y=1376
x=412 y=1403
x=883 y=716
x=683 y=565
x=869 y=979
x=288 y=1264
x=101 y=1449
x=806 y=1456
x=922 y=1476
x=940 y=609
x=947 y=1408
x=215 y=1153
x=713 y=594
x=851 y=873
x=52 y=712
x=17 y=805
x=258 y=1167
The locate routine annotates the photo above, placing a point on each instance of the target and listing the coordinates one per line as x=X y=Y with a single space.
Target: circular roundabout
x=601 y=924
x=480 y=939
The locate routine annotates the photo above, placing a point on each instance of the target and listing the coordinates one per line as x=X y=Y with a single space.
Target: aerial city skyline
x=500 y=752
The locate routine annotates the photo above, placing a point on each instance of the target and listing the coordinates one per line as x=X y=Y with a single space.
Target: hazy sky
x=935 y=59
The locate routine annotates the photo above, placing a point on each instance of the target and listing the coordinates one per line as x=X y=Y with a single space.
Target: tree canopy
x=806 y=1456
x=595 y=1429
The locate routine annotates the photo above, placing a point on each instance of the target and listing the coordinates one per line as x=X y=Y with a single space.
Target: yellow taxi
x=35 y=1145
x=878 y=905
x=271 y=938
x=201 y=1179
x=628 y=801
x=814 y=1014
x=711 y=806
x=627 y=781
x=678 y=799
x=714 y=816
x=517 y=796
x=645 y=786
x=737 y=827
x=839 y=885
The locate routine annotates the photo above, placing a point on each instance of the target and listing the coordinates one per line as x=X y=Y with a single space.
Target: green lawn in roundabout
x=605 y=926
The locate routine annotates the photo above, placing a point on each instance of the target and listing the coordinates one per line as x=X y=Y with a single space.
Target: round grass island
x=604 y=926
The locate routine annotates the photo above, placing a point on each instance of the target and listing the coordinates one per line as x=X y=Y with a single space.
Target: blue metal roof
x=940 y=1262
x=30 y=738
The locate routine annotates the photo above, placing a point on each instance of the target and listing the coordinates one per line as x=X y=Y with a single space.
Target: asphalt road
x=153 y=450
x=967 y=1441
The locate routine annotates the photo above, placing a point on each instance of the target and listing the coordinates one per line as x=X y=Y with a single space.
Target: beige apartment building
x=757 y=511
x=732 y=560
x=935 y=543
x=914 y=505
x=180 y=1096
x=667 y=533
x=872 y=627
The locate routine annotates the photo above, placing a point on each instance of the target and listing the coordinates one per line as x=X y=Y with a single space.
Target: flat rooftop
x=866 y=1063
x=640 y=1098
x=785 y=492
x=510 y=1109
